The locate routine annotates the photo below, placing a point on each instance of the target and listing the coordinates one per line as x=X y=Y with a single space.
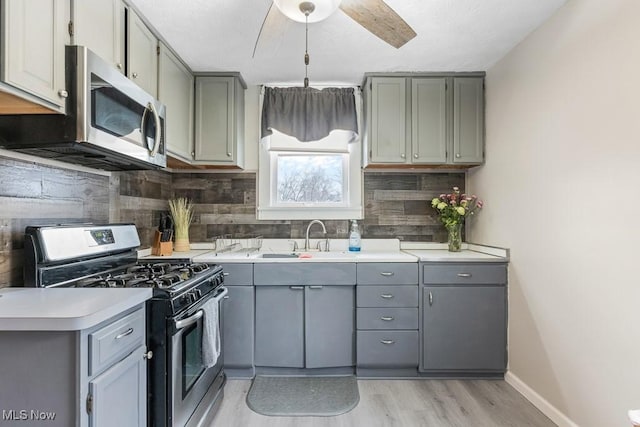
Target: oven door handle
x=181 y=324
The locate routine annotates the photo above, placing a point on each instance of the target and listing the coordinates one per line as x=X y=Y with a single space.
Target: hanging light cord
x=306 y=49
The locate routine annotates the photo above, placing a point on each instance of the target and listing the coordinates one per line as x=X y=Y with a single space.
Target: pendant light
x=302 y=12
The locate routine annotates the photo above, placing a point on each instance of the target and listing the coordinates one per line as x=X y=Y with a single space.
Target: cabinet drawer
x=300 y=274
x=387 y=349
x=115 y=340
x=388 y=273
x=387 y=318
x=387 y=296
x=237 y=274
x=464 y=274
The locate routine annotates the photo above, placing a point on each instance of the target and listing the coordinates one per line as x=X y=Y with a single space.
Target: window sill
x=309 y=213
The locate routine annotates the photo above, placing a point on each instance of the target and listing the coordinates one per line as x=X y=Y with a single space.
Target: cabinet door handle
x=386 y=318
x=226 y=273
x=226 y=297
x=430 y=298
x=297 y=288
x=387 y=342
x=386 y=273
x=148 y=355
x=63 y=93
x=124 y=334
x=464 y=274
x=316 y=287
x=386 y=296
x=134 y=75
x=402 y=155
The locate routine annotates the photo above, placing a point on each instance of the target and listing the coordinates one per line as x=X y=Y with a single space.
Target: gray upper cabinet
x=99 y=25
x=176 y=92
x=429 y=120
x=425 y=119
x=388 y=120
x=468 y=120
x=219 y=120
x=34 y=35
x=142 y=54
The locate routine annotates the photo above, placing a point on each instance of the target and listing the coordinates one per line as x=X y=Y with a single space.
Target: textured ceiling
x=453 y=35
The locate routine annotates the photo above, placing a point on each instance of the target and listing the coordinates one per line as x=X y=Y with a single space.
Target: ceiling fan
x=374 y=15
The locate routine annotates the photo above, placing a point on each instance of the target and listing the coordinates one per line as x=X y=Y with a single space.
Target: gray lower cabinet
x=387 y=318
x=305 y=326
x=464 y=328
x=95 y=377
x=119 y=394
x=238 y=316
x=280 y=326
x=464 y=318
x=237 y=329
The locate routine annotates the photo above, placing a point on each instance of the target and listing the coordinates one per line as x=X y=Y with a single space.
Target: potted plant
x=452 y=209
x=182 y=214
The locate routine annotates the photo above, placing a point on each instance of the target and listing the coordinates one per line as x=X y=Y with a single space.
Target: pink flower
x=479 y=204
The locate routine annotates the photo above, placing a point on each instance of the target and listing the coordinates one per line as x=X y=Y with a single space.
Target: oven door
x=191 y=379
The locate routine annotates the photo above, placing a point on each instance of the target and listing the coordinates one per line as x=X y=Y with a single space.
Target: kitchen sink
x=276 y=255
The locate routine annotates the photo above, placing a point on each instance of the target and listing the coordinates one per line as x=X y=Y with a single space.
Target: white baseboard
x=539 y=402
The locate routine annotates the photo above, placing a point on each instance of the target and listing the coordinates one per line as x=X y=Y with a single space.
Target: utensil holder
x=161 y=248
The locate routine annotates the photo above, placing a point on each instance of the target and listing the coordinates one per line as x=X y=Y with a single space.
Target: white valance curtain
x=308 y=114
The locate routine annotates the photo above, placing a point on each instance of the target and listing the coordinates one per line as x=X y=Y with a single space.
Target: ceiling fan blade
x=273 y=27
x=377 y=17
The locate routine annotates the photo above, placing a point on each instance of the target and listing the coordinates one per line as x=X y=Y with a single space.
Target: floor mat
x=303 y=396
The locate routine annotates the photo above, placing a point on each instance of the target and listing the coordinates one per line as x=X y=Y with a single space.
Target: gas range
x=181 y=388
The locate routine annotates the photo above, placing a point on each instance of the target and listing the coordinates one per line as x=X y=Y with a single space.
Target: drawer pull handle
x=315 y=287
x=225 y=297
x=464 y=274
x=386 y=296
x=226 y=273
x=297 y=288
x=387 y=342
x=386 y=318
x=386 y=273
x=124 y=334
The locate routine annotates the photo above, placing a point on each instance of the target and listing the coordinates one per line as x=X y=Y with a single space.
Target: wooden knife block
x=161 y=248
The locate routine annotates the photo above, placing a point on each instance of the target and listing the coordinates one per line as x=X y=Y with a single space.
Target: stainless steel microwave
x=111 y=123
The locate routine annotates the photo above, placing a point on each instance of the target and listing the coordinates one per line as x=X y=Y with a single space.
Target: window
x=309 y=180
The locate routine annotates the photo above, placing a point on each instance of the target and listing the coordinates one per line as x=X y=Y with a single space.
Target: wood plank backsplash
x=396 y=205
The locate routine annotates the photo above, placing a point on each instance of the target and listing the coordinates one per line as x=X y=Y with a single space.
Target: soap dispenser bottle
x=354 y=237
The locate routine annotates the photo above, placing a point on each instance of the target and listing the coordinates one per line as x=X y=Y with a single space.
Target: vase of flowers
x=182 y=214
x=452 y=210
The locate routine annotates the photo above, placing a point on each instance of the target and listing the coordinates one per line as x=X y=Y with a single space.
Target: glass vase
x=455 y=237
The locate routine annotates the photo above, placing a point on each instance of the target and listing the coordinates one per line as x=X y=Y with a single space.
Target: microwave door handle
x=156 y=119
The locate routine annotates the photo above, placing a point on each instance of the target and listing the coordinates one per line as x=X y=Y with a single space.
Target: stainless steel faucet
x=324 y=231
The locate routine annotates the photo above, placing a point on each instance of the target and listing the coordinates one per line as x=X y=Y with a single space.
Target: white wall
x=562 y=190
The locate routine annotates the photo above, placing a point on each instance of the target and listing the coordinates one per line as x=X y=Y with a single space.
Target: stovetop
x=161 y=275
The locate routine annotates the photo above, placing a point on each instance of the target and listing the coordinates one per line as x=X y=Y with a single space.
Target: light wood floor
x=433 y=403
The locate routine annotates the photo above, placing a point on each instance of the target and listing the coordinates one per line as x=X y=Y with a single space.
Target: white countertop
x=64 y=309
x=373 y=250
x=331 y=256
